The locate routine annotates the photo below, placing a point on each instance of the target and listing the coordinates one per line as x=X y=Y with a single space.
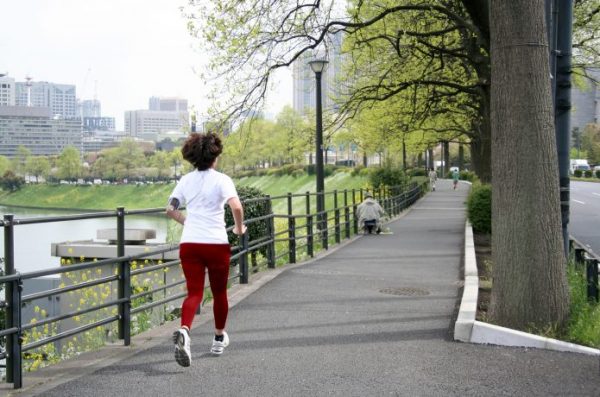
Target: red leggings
x=195 y=259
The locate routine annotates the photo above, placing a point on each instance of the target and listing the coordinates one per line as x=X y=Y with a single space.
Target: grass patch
x=584 y=323
x=108 y=197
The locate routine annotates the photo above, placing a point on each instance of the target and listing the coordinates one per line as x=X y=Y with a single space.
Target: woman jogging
x=204 y=245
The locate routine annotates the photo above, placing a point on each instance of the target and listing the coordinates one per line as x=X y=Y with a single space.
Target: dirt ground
x=483 y=253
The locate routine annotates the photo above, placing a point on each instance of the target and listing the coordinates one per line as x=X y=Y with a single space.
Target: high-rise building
x=304 y=79
x=60 y=98
x=37 y=129
x=7 y=90
x=585 y=102
x=168 y=104
x=90 y=108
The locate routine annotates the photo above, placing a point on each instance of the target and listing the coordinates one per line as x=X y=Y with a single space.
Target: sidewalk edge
x=467 y=329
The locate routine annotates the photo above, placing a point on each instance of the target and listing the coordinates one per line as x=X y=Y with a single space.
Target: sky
x=124 y=50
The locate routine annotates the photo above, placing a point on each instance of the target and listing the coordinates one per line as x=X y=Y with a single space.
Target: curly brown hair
x=201 y=150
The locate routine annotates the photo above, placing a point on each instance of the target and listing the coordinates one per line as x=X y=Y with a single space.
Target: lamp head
x=318 y=65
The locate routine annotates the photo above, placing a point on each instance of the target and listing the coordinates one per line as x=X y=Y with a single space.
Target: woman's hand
x=237 y=230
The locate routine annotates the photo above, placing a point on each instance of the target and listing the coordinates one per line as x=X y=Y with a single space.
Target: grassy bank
x=108 y=197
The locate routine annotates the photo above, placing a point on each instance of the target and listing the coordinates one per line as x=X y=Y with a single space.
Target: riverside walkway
x=373 y=317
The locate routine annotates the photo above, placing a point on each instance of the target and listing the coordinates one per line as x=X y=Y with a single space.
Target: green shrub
x=327 y=169
x=597 y=173
x=11 y=182
x=387 y=176
x=417 y=172
x=577 y=173
x=357 y=170
x=479 y=207
x=255 y=209
x=365 y=171
x=298 y=173
x=468 y=176
x=588 y=173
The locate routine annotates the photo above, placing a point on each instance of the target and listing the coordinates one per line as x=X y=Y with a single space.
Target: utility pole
x=559 y=14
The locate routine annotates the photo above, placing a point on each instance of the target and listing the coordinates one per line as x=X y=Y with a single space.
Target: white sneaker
x=183 y=355
x=218 y=347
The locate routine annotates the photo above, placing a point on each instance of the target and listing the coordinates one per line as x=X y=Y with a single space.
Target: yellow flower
x=36 y=309
x=43 y=313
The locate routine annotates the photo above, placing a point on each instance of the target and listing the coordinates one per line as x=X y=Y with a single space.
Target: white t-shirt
x=204 y=194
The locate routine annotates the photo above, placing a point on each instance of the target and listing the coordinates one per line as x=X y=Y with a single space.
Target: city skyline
x=120 y=53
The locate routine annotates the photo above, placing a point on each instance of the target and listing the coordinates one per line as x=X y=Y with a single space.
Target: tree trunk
x=404 y=153
x=446 y=145
x=461 y=157
x=529 y=288
x=481 y=156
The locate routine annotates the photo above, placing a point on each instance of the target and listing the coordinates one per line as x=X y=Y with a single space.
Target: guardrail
x=301 y=230
x=586 y=257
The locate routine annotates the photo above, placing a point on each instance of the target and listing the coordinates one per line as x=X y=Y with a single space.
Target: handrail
x=304 y=233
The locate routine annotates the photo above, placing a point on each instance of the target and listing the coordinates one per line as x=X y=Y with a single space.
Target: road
x=585 y=214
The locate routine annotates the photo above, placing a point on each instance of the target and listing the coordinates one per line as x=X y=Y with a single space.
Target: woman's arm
x=238 y=215
x=173 y=211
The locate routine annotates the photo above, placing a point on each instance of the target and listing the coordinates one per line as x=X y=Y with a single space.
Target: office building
x=7 y=91
x=585 y=102
x=37 y=129
x=149 y=122
x=168 y=104
x=304 y=79
x=60 y=98
x=92 y=124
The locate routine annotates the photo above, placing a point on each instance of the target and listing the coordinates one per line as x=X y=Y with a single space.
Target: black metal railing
x=585 y=257
x=298 y=231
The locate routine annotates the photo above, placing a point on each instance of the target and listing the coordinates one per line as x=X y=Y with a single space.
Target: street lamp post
x=317 y=66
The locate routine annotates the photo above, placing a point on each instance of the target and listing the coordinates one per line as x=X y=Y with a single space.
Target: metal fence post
x=271 y=231
x=592 y=279
x=338 y=232
x=346 y=214
x=124 y=281
x=15 y=351
x=309 y=228
x=291 y=231
x=579 y=256
x=9 y=268
x=244 y=271
x=324 y=227
x=354 y=218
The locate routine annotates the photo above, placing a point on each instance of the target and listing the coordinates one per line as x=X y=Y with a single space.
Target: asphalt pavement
x=373 y=318
x=584 y=222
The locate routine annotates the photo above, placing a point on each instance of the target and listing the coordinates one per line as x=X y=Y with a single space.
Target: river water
x=33 y=242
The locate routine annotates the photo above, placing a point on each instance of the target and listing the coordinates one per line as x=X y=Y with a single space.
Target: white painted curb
x=467 y=329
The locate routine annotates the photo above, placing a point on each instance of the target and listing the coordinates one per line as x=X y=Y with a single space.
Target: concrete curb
x=467 y=329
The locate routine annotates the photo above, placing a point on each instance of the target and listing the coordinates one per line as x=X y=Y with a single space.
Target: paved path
x=332 y=327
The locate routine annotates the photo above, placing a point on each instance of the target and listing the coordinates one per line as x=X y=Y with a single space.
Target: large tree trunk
x=529 y=287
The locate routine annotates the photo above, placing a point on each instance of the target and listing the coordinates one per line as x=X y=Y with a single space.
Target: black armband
x=173 y=204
